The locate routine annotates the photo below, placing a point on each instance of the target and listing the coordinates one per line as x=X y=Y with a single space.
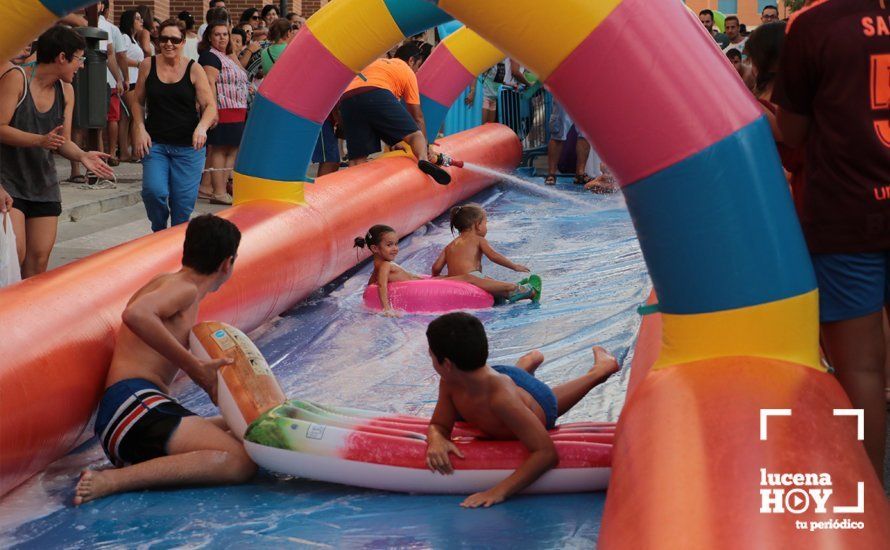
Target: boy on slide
x=152 y=439
x=505 y=402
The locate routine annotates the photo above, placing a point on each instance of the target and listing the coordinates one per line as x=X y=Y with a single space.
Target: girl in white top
x=131 y=27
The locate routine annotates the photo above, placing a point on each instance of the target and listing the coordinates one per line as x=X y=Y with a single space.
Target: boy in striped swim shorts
x=152 y=439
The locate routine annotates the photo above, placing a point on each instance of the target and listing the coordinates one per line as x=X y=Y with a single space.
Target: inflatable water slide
x=728 y=400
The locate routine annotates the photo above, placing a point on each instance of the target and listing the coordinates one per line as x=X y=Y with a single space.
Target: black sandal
x=436 y=172
x=582 y=179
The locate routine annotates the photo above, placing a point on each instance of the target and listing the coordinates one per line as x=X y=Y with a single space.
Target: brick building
x=747 y=10
x=163 y=9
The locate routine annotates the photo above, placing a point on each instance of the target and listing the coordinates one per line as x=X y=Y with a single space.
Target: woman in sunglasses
x=251 y=16
x=249 y=57
x=171 y=141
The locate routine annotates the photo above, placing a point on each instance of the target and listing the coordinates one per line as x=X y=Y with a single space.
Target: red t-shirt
x=835 y=69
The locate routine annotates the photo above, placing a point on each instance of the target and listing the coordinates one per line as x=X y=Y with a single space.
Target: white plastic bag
x=9 y=258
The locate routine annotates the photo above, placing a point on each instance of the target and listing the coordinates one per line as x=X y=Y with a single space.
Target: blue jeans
x=170 y=178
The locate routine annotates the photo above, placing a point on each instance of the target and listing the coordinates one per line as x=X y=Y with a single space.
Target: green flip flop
x=535 y=282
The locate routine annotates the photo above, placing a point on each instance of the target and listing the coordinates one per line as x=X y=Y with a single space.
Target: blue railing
x=461 y=116
x=527 y=112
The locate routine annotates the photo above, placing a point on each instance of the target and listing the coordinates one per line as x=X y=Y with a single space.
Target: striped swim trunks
x=135 y=421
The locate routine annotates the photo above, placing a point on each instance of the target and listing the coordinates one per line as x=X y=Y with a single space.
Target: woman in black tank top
x=171 y=140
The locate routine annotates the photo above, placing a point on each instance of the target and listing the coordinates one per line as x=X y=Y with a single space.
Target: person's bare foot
x=531 y=361
x=603 y=362
x=93 y=484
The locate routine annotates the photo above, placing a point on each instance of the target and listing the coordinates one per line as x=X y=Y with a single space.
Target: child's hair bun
x=359 y=242
x=464 y=216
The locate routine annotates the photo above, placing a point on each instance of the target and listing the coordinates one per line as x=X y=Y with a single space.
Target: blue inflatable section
x=285 y=148
x=433 y=115
x=752 y=251
x=447 y=28
x=414 y=16
x=60 y=7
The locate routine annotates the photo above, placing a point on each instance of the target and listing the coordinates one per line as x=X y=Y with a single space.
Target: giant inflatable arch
x=735 y=289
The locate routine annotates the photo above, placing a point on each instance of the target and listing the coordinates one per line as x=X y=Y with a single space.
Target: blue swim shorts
x=851 y=285
x=540 y=391
x=135 y=421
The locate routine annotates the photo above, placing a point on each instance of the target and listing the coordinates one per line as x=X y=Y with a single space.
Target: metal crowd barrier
x=527 y=113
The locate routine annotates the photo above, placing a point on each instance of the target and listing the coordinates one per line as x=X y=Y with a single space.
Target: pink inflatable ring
x=430 y=296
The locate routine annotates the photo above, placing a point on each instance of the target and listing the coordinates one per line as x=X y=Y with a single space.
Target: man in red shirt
x=833 y=91
x=372 y=111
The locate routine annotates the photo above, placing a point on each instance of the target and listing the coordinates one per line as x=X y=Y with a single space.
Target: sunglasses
x=175 y=40
x=255 y=17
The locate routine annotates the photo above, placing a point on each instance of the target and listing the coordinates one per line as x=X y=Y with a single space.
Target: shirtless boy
x=504 y=402
x=152 y=439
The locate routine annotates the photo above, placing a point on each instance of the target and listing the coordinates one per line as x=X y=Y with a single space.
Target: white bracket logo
x=778 y=499
x=860 y=420
x=766 y=413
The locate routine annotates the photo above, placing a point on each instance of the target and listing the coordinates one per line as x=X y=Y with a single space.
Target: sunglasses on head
x=171 y=39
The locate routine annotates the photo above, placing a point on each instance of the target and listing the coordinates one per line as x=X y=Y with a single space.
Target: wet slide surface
x=330 y=350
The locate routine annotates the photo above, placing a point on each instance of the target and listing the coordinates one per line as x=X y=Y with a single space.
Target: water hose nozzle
x=444 y=160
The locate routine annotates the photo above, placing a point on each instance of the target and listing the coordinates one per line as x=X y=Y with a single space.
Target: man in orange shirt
x=372 y=111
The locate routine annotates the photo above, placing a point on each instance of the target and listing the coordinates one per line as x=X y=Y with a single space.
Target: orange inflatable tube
x=685 y=485
x=58 y=328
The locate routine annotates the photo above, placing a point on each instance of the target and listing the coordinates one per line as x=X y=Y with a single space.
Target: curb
x=86 y=208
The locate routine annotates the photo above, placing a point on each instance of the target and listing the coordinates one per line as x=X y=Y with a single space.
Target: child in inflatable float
x=504 y=402
x=383 y=242
x=463 y=258
x=152 y=439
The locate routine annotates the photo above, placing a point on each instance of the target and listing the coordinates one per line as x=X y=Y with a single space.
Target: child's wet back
x=464 y=254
